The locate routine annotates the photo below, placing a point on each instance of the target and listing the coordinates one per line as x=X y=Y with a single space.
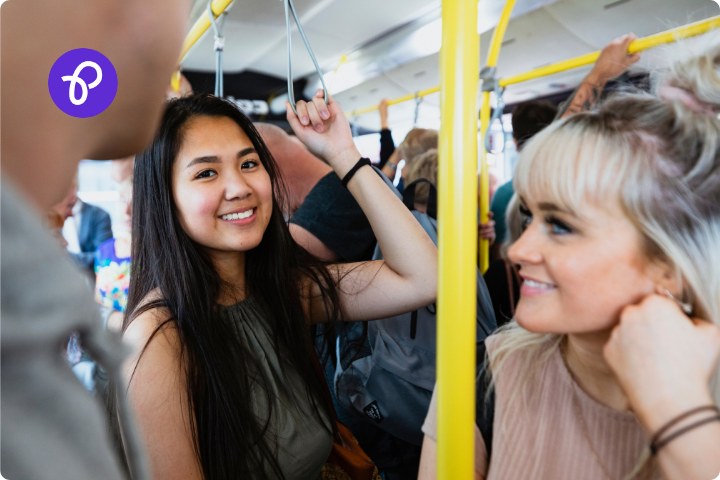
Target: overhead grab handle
x=418 y=101
x=289 y=7
x=491 y=84
x=219 y=47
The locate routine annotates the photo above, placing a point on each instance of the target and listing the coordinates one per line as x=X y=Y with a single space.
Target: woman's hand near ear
x=664 y=361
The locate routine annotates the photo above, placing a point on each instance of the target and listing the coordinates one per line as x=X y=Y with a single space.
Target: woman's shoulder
x=515 y=352
x=150 y=321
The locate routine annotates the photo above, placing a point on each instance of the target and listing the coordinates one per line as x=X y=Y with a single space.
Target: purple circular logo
x=83 y=83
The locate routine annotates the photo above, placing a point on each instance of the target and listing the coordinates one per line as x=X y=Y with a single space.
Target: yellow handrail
x=404 y=98
x=687 y=31
x=196 y=31
x=457 y=234
x=670 y=36
x=496 y=43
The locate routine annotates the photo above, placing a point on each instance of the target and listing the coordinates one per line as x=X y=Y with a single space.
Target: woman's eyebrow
x=245 y=152
x=551 y=207
x=205 y=159
x=215 y=159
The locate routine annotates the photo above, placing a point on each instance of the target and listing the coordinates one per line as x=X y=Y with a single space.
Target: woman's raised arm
x=407 y=278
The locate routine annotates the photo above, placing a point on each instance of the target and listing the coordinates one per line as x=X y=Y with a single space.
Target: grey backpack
x=388 y=379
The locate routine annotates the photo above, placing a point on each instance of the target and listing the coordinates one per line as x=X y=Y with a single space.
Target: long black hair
x=231 y=441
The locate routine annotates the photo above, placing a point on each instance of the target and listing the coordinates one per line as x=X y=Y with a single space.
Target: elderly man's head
x=301 y=170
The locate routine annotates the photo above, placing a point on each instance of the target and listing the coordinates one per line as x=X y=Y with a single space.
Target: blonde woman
x=609 y=370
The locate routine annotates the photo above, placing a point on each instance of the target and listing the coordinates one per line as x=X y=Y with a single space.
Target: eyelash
x=202 y=174
x=244 y=165
x=558 y=226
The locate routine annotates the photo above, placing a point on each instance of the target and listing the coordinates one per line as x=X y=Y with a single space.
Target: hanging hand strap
x=289 y=7
x=219 y=47
x=497 y=115
x=418 y=101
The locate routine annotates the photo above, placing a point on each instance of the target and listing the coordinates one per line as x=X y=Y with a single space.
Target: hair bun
x=694 y=81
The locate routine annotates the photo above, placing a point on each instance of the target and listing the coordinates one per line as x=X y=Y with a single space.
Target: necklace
x=578 y=412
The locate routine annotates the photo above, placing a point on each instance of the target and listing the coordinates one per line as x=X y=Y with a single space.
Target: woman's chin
x=537 y=322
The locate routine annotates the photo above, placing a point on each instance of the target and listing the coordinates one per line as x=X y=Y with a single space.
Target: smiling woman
x=221 y=298
x=602 y=375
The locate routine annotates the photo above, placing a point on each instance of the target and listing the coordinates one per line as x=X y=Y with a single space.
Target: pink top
x=545 y=438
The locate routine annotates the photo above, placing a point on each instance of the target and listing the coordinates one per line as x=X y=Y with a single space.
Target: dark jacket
x=95 y=228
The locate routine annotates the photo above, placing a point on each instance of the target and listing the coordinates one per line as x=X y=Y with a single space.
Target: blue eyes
x=526 y=217
x=557 y=226
x=212 y=173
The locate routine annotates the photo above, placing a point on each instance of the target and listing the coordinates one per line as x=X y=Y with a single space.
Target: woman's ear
x=666 y=279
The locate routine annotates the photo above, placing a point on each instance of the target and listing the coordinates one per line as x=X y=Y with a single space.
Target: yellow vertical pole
x=457 y=202
x=495 y=43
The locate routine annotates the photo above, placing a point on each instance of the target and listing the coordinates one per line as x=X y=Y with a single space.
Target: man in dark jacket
x=86 y=228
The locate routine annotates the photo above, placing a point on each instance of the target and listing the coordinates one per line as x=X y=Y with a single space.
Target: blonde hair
x=417 y=142
x=515 y=224
x=660 y=159
x=426 y=166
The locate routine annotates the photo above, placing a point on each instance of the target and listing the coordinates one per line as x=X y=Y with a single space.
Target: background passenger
x=43 y=297
x=503 y=276
x=222 y=297
x=112 y=263
x=426 y=166
x=387 y=144
x=122 y=168
x=613 y=61
x=325 y=219
x=86 y=227
x=616 y=337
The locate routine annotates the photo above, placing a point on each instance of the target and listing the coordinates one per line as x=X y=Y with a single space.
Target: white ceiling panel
x=541 y=32
x=341 y=27
x=598 y=22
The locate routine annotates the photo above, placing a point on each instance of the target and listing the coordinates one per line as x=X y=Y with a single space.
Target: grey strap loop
x=219 y=47
x=418 y=101
x=497 y=115
x=289 y=7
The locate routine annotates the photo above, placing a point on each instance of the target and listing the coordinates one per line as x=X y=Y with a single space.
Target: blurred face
x=222 y=191
x=126 y=207
x=65 y=207
x=580 y=270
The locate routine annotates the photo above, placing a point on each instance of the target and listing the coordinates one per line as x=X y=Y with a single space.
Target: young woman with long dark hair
x=222 y=298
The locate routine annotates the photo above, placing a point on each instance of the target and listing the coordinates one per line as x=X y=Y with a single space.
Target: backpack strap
x=484 y=408
x=409 y=197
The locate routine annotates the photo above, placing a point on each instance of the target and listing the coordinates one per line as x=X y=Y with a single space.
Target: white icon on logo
x=74 y=78
x=717 y=478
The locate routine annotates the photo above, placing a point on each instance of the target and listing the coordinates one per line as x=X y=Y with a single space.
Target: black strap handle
x=409 y=197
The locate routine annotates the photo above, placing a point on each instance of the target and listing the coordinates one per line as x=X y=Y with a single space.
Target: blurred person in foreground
x=51 y=426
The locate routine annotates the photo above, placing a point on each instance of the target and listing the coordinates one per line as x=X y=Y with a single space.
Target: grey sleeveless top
x=303 y=443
